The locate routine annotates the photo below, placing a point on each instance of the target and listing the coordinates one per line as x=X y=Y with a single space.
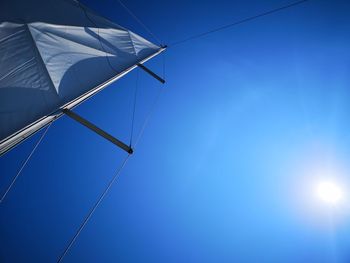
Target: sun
x=329 y=192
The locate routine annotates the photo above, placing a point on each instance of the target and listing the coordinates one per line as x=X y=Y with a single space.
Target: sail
x=53 y=55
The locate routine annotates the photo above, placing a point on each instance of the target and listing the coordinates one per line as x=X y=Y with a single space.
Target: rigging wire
x=148 y=116
x=98 y=35
x=111 y=182
x=275 y=10
x=152 y=108
x=25 y=163
x=134 y=107
x=164 y=60
x=140 y=22
x=118 y=171
x=93 y=209
x=120 y=168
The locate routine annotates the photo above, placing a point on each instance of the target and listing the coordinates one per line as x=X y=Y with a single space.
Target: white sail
x=53 y=55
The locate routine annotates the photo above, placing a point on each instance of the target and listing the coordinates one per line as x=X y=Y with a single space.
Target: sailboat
x=54 y=55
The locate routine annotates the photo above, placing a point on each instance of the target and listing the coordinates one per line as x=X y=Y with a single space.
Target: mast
x=55 y=55
x=12 y=141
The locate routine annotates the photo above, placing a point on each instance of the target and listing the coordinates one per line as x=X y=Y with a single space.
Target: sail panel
x=59 y=12
x=25 y=90
x=79 y=58
x=49 y=61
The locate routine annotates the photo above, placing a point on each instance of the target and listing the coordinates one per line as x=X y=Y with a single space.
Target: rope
x=140 y=22
x=24 y=163
x=93 y=209
x=238 y=22
x=153 y=106
x=120 y=168
x=164 y=59
x=98 y=35
x=148 y=116
x=134 y=107
x=105 y=192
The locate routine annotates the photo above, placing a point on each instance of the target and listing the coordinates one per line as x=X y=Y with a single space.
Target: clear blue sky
x=248 y=120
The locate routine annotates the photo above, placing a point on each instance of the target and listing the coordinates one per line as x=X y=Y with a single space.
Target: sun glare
x=329 y=192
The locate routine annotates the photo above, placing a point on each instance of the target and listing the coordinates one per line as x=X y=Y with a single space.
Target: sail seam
x=10 y=36
x=17 y=69
x=132 y=43
x=39 y=55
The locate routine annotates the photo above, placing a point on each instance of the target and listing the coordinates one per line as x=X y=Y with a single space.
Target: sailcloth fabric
x=54 y=51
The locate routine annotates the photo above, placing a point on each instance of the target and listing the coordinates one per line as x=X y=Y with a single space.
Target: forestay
x=53 y=55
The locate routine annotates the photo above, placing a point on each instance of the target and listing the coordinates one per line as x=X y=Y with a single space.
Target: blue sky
x=249 y=120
